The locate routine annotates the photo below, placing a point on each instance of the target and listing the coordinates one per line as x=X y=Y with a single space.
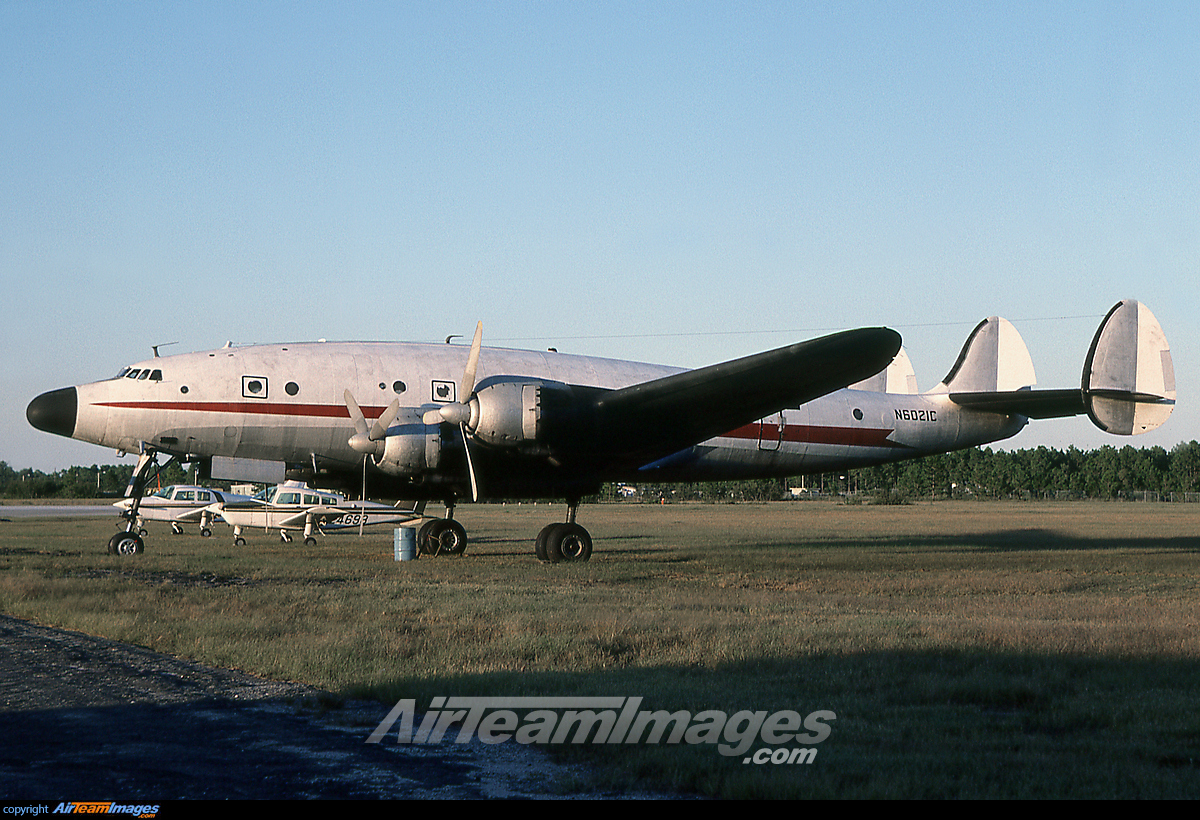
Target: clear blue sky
x=674 y=182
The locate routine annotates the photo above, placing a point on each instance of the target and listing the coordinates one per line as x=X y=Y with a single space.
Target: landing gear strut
x=566 y=541
x=130 y=541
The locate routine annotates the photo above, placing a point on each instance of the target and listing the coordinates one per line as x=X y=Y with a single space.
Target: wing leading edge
x=654 y=419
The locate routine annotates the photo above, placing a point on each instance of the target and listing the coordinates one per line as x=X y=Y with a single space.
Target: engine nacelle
x=411 y=446
x=507 y=414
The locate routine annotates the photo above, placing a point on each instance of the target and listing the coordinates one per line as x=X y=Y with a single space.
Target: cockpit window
x=133 y=374
x=156 y=376
x=121 y=375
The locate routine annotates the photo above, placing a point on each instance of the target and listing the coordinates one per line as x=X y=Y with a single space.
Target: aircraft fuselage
x=284 y=403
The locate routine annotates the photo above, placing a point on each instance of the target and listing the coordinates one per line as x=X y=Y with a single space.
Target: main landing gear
x=442 y=536
x=567 y=541
x=564 y=541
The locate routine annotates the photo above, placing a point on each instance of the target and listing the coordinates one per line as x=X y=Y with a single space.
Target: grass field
x=967 y=649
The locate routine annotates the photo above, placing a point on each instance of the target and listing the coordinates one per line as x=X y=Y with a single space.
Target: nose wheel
x=126 y=543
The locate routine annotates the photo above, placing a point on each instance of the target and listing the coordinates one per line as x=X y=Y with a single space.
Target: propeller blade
x=468 y=382
x=361 y=441
x=380 y=428
x=459 y=412
x=470 y=464
x=356 y=413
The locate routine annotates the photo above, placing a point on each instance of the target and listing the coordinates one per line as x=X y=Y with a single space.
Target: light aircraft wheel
x=239 y=541
x=126 y=543
x=442 y=536
x=567 y=542
x=310 y=541
x=176 y=529
x=205 y=532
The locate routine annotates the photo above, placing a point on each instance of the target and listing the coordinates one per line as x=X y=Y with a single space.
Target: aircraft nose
x=54 y=412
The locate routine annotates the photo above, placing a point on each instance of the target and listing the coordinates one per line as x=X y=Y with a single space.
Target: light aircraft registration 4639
x=447 y=422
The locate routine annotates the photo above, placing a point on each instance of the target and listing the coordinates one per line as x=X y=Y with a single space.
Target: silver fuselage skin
x=284 y=403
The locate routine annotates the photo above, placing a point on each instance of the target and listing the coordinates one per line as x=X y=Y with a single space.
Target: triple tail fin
x=994 y=359
x=1128 y=383
x=1128 y=378
x=897 y=377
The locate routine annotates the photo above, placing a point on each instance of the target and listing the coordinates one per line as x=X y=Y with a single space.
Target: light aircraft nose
x=54 y=412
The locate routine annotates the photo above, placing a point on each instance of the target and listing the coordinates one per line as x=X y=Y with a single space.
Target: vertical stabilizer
x=994 y=359
x=897 y=377
x=1128 y=377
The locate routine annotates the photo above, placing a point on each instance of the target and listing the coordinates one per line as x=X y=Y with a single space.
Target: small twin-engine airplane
x=296 y=506
x=446 y=422
x=285 y=507
x=179 y=504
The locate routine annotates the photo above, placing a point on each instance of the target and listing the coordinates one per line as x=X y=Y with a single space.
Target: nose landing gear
x=129 y=542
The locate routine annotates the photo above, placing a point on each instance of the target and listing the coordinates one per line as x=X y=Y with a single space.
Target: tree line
x=1107 y=472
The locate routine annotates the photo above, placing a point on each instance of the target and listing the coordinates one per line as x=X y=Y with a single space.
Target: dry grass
x=968 y=649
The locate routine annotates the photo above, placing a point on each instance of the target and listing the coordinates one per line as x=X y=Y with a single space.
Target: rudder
x=1128 y=378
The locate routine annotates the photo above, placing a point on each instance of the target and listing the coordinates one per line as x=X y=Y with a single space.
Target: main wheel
x=539 y=546
x=567 y=542
x=126 y=543
x=442 y=536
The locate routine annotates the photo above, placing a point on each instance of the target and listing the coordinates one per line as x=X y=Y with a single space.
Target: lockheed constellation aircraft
x=442 y=423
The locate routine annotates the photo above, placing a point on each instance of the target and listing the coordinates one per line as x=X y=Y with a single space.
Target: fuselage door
x=770 y=431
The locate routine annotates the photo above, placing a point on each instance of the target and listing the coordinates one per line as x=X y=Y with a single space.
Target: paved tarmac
x=86 y=718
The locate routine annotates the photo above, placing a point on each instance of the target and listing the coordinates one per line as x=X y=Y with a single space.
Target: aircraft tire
x=205 y=532
x=239 y=541
x=567 y=542
x=442 y=536
x=539 y=545
x=310 y=541
x=126 y=543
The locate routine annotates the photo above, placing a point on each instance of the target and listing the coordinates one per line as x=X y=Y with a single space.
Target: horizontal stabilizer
x=1128 y=384
x=1128 y=378
x=1034 y=404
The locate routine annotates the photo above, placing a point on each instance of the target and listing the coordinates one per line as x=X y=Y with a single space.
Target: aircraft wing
x=654 y=419
x=334 y=518
x=190 y=516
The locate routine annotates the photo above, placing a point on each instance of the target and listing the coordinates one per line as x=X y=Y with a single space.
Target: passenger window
x=254 y=387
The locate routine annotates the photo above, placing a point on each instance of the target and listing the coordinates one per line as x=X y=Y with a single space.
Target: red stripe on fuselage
x=810 y=434
x=799 y=433
x=261 y=408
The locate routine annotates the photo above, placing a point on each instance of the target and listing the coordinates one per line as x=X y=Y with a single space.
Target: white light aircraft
x=294 y=505
x=179 y=504
x=447 y=422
